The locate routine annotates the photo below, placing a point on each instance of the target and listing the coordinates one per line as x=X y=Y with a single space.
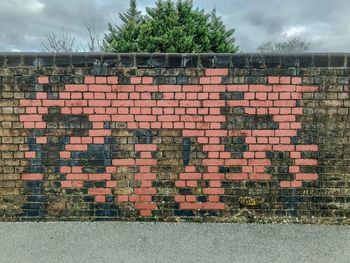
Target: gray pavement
x=172 y=242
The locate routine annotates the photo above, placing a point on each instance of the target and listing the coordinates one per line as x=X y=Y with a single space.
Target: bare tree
x=64 y=41
x=292 y=45
x=94 y=43
x=59 y=42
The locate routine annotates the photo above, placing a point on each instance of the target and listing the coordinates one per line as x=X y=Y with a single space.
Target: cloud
x=24 y=24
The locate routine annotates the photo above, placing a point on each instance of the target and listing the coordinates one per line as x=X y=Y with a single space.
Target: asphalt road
x=172 y=242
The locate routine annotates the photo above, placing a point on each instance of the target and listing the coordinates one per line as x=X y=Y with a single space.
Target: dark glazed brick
x=31 y=60
x=2 y=61
x=127 y=60
x=110 y=61
x=63 y=61
x=272 y=60
x=239 y=61
x=305 y=60
x=93 y=61
x=223 y=61
x=79 y=61
x=144 y=60
x=174 y=61
x=46 y=60
x=289 y=61
x=190 y=61
x=337 y=61
x=320 y=60
x=232 y=96
x=207 y=61
x=159 y=61
x=13 y=60
x=256 y=61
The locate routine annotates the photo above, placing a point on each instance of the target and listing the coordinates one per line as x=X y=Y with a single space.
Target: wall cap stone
x=175 y=60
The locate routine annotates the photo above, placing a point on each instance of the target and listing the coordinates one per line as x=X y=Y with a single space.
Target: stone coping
x=171 y=60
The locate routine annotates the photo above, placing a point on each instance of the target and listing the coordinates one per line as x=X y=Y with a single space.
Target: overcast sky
x=24 y=24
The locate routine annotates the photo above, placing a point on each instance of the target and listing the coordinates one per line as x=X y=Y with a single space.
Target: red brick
x=237 y=87
x=41 y=95
x=82 y=177
x=259 y=162
x=29 y=154
x=307 y=148
x=135 y=80
x=76 y=147
x=237 y=103
x=283 y=148
x=123 y=88
x=190 y=176
x=273 y=96
x=213 y=206
x=65 y=155
x=214 y=191
x=295 y=155
x=31 y=117
x=237 y=176
x=76 y=87
x=236 y=162
x=112 y=80
x=305 y=162
x=41 y=140
x=145 y=191
x=260 y=177
x=273 y=80
x=193 y=133
x=32 y=177
x=101 y=80
x=100 y=199
x=145 y=162
x=306 y=176
x=192 y=88
x=190 y=206
x=285 y=184
x=145 y=176
x=99 y=191
x=169 y=88
x=191 y=184
x=260 y=88
x=285 y=80
x=294 y=169
x=122 y=198
x=216 y=72
x=150 y=206
x=306 y=88
x=297 y=80
x=284 y=118
x=260 y=147
x=43 y=80
x=263 y=133
x=214 y=89
x=213 y=103
x=296 y=184
x=284 y=103
x=147 y=80
x=100 y=133
x=123 y=162
x=285 y=133
x=99 y=177
x=216 y=133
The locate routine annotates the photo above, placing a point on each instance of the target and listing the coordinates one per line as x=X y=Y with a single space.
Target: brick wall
x=175 y=137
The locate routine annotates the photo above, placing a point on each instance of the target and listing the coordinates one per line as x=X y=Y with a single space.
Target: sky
x=25 y=24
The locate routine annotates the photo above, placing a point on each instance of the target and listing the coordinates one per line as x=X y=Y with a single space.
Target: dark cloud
x=24 y=24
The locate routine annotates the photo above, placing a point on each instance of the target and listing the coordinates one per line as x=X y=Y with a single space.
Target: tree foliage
x=170 y=27
x=292 y=45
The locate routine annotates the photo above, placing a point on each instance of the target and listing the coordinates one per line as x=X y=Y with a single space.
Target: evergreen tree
x=221 y=39
x=170 y=27
x=124 y=38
